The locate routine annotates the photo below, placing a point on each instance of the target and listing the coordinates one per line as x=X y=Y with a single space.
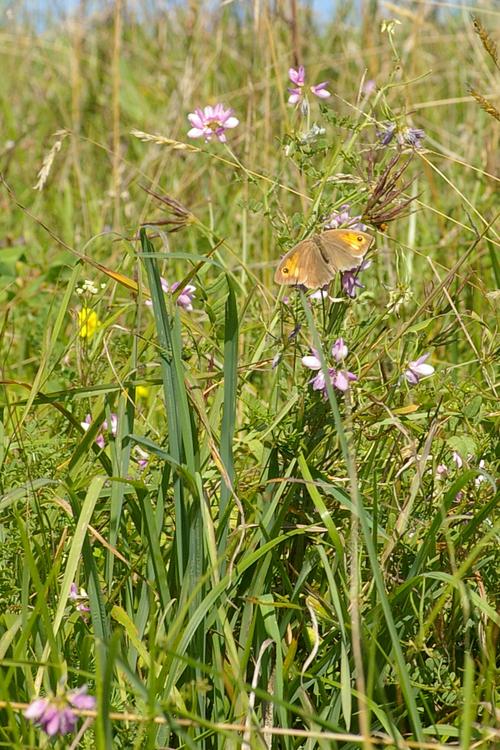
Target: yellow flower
x=142 y=391
x=88 y=322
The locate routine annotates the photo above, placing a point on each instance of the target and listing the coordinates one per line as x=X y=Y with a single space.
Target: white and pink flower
x=212 y=121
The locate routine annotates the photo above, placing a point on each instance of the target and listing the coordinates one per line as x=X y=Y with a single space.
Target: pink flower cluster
x=298 y=77
x=55 y=714
x=212 y=122
x=339 y=378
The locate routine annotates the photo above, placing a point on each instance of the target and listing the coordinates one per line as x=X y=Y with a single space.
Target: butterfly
x=314 y=262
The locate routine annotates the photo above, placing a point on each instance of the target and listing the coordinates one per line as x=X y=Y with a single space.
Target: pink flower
x=313 y=363
x=184 y=299
x=142 y=457
x=211 y=121
x=295 y=95
x=369 y=87
x=86 y=424
x=113 y=424
x=339 y=350
x=55 y=714
x=80 y=700
x=79 y=597
x=298 y=77
x=320 y=91
x=417 y=370
x=340 y=379
x=441 y=471
x=100 y=437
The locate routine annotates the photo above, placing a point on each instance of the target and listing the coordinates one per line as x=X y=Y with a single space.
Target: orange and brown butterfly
x=315 y=261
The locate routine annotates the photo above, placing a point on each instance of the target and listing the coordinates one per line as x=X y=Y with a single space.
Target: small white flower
x=480 y=478
x=89 y=286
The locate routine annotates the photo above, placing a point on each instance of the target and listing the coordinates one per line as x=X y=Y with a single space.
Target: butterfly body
x=315 y=261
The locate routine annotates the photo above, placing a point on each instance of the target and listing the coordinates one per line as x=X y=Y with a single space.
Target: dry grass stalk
x=485 y=104
x=44 y=172
x=486 y=40
x=160 y=140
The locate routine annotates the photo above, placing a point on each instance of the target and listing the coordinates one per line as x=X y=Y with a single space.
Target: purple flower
x=349 y=279
x=411 y=137
x=340 y=379
x=405 y=136
x=298 y=77
x=417 y=370
x=339 y=350
x=458 y=459
x=387 y=132
x=211 y=121
x=55 y=714
x=79 y=597
x=343 y=218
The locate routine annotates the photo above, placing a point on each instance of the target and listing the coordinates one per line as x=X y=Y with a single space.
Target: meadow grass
x=225 y=556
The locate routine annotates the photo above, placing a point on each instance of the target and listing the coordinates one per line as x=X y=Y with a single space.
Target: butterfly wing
x=305 y=264
x=344 y=248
